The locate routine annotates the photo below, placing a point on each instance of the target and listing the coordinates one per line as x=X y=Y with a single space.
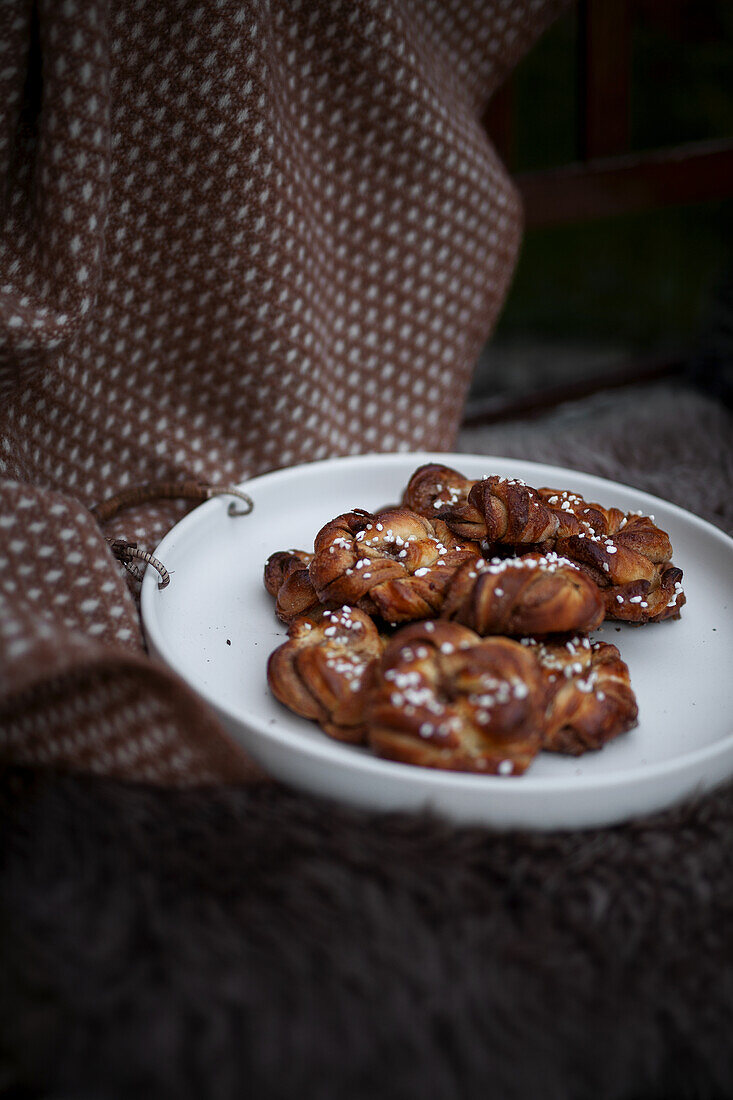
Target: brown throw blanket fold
x=233 y=236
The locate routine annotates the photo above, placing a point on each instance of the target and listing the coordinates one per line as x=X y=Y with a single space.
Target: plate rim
x=333 y=751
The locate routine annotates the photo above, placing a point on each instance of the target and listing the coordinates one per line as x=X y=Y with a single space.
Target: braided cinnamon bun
x=532 y=594
x=590 y=700
x=445 y=698
x=394 y=564
x=628 y=556
x=324 y=670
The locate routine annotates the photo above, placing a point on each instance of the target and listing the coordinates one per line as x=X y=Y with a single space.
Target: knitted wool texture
x=235 y=236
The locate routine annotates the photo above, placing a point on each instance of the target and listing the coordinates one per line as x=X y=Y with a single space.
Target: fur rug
x=258 y=943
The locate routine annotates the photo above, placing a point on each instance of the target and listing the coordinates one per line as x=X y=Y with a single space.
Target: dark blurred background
x=618 y=128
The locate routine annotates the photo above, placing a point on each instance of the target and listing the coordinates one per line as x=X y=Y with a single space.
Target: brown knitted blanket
x=234 y=235
x=256 y=942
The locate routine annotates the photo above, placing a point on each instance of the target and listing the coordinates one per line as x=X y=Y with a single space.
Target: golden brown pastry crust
x=628 y=556
x=575 y=514
x=288 y=580
x=494 y=509
x=434 y=488
x=279 y=564
x=445 y=698
x=644 y=602
x=502 y=511
x=324 y=670
x=590 y=699
x=394 y=564
x=630 y=553
x=532 y=594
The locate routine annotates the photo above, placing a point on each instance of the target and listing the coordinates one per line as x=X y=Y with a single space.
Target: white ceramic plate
x=215 y=625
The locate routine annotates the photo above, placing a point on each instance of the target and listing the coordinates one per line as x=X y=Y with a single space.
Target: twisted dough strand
x=433 y=488
x=288 y=580
x=502 y=510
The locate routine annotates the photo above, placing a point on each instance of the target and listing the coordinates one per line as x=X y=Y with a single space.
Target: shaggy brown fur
x=257 y=943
